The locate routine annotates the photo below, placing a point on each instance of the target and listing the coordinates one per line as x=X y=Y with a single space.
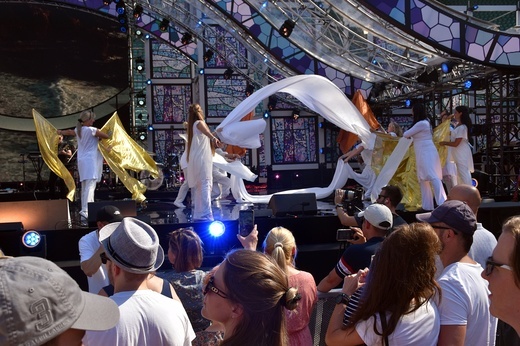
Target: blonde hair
x=398 y=130
x=84 y=116
x=279 y=244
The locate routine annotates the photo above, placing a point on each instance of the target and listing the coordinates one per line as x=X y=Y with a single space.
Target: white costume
x=183 y=190
x=221 y=182
x=88 y=246
x=465 y=302
x=200 y=179
x=147 y=318
x=462 y=155
x=428 y=164
x=367 y=177
x=90 y=165
x=420 y=328
x=483 y=244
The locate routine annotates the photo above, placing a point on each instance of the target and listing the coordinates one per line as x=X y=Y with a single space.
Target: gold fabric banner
x=123 y=154
x=48 y=140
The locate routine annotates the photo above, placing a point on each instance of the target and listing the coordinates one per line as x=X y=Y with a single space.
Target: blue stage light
x=468 y=84
x=201 y=71
x=408 y=103
x=150 y=127
x=149 y=82
x=31 y=239
x=267 y=114
x=217 y=228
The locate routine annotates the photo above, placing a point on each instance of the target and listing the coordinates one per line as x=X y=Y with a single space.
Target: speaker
x=40 y=215
x=127 y=208
x=293 y=204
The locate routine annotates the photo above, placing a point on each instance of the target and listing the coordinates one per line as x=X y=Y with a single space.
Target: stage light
x=228 y=73
x=31 y=239
x=447 y=66
x=296 y=114
x=141 y=99
x=122 y=19
x=472 y=8
x=138 y=33
x=164 y=25
x=147 y=36
x=186 y=38
x=249 y=89
x=201 y=71
x=287 y=28
x=208 y=55
x=321 y=124
x=374 y=61
x=407 y=103
x=217 y=229
x=142 y=136
x=149 y=81
x=120 y=7
x=138 y=11
x=139 y=64
x=150 y=127
x=277 y=176
x=267 y=114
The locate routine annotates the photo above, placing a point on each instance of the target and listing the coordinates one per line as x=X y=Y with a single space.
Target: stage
x=318 y=250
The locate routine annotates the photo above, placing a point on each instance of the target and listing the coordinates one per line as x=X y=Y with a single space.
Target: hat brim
x=107 y=230
x=426 y=217
x=99 y=313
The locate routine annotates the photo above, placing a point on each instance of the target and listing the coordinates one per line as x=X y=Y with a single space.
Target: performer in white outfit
x=90 y=161
x=367 y=177
x=183 y=190
x=200 y=163
x=459 y=145
x=428 y=163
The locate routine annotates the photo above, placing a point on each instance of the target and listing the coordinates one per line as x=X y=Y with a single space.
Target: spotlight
x=201 y=71
x=277 y=176
x=147 y=36
x=407 y=103
x=164 y=25
x=217 y=228
x=447 y=66
x=120 y=7
x=475 y=84
x=141 y=99
x=122 y=19
x=138 y=33
x=139 y=64
x=472 y=8
x=186 y=38
x=267 y=114
x=142 y=136
x=321 y=124
x=138 y=11
x=150 y=127
x=296 y=113
x=249 y=89
x=208 y=55
x=31 y=239
x=149 y=81
x=228 y=73
x=287 y=28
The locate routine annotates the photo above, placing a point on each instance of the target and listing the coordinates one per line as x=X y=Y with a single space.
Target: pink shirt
x=298 y=319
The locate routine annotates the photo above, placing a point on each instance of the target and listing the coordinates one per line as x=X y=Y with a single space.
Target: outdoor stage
x=318 y=250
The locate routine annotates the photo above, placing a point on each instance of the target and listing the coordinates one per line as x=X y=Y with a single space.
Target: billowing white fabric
x=235 y=168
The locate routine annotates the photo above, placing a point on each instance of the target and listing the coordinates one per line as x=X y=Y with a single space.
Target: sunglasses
x=442 y=227
x=211 y=286
x=382 y=196
x=490 y=265
x=104 y=258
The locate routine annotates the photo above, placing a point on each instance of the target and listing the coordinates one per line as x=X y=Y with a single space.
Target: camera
x=344 y=234
x=353 y=201
x=246 y=222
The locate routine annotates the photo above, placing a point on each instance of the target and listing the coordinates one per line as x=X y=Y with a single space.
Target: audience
x=389 y=196
x=185 y=255
x=483 y=240
x=377 y=221
x=42 y=305
x=248 y=295
x=90 y=248
x=464 y=307
x=502 y=271
x=397 y=306
x=281 y=245
x=147 y=317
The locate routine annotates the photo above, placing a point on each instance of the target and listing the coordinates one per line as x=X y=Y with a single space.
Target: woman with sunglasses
x=248 y=295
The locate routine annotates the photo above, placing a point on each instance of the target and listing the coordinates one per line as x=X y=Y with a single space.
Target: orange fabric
x=347 y=139
x=233 y=149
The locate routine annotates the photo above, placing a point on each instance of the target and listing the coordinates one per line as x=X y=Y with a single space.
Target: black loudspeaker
x=293 y=204
x=127 y=208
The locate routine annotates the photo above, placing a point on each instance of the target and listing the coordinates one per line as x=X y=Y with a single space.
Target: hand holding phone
x=246 y=222
x=345 y=234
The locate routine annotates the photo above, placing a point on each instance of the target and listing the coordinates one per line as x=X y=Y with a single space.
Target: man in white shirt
x=132 y=252
x=464 y=304
x=90 y=248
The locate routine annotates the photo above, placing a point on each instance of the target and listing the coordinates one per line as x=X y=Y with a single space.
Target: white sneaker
x=83 y=215
x=179 y=204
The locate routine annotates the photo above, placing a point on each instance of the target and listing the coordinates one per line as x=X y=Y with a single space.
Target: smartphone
x=246 y=222
x=344 y=234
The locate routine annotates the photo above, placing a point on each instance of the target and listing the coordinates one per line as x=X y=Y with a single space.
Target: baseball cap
x=109 y=214
x=39 y=301
x=456 y=214
x=378 y=215
x=133 y=245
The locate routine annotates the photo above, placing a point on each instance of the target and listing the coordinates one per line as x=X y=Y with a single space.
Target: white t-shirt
x=146 y=318
x=420 y=328
x=484 y=243
x=88 y=245
x=465 y=302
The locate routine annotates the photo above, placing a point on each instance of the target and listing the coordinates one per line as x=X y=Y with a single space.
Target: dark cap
x=456 y=214
x=109 y=214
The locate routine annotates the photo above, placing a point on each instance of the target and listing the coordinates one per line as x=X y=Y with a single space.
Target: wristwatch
x=342 y=299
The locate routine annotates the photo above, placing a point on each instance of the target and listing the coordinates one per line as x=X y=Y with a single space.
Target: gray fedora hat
x=133 y=245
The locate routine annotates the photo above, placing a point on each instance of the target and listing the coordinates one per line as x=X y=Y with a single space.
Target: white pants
x=427 y=196
x=201 y=196
x=87 y=193
x=221 y=184
x=183 y=190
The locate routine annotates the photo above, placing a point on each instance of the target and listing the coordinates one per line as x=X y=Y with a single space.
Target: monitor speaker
x=293 y=204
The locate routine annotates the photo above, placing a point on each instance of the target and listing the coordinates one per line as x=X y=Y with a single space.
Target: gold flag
x=48 y=140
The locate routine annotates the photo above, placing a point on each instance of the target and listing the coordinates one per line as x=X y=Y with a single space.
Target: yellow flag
x=123 y=154
x=48 y=140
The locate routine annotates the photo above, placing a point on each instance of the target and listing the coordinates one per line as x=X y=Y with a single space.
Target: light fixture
x=138 y=11
x=287 y=28
x=31 y=239
x=139 y=64
x=138 y=33
x=471 y=8
x=408 y=103
x=164 y=25
x=150 y=127
x=147 y=36
x=141 y=99
x=120 y=7
x=217 y=229
x=186 y=38
x=267 y=114
x=201 y=71
x=208 y=55
x=475 y=84
x=447 y=66
x=228 y=73
x=149 y=81
x=142 y=136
